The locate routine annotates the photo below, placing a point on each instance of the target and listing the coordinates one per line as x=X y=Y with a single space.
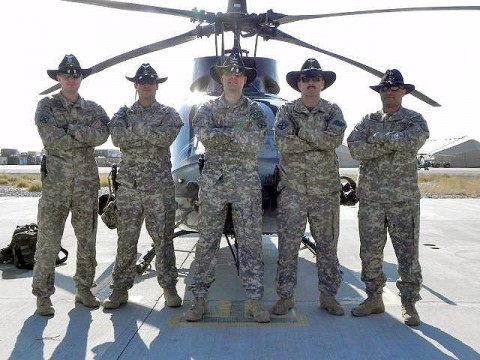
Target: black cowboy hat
x=146 y=71
x=393 y=78
x=69 y=65
x=233 y=64
x=311 y=67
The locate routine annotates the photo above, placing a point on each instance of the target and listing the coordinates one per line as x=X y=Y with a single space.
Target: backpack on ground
x=21 y=251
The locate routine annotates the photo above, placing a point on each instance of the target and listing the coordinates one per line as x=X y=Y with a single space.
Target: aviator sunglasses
x=306 y=79
x=391 y=88
x=68 y=76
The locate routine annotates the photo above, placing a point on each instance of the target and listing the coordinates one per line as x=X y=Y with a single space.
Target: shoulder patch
x=258 y=116
x=282 y=125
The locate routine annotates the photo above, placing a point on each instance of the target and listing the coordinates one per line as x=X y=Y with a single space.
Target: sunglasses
x=68 y=76
x=306 y=79
x=147 y=80
x=391 y=88
x=236 y=74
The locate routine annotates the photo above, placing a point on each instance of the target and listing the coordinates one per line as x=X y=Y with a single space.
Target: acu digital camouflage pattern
x=145 y=189
x=232 y=136
x=309 y=189
x=69 y=132
x=389 y=196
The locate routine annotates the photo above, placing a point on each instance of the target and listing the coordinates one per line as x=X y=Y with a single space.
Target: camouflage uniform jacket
x=144 y=136
x=388 y=171
x=232 y=136
x=70 y=132
x=307 y=141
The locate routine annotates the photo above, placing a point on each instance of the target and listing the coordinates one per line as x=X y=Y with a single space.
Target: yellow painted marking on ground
x=232 y=314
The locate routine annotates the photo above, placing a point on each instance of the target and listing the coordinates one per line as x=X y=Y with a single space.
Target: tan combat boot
x=255 y=309
x=331 y=304
x=410 y=314
x=116 y=298
x=171 y=297
x=44 y=306
x=198 y=309
x=282 y=306
x=85 y=297
x=372 y=305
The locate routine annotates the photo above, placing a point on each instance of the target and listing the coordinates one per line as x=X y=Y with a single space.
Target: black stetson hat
x=311 y=67
x=69 y=65
x=233 y=64
x=144 y=72
x=393 y=78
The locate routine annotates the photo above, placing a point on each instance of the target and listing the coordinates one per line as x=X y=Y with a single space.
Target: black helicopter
x=187 y=151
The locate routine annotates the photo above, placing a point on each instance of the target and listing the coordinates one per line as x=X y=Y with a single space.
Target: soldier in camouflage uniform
x=307 y=132
x=144 y=133
x=70 y=127
x=232 y=128
x=386 y=144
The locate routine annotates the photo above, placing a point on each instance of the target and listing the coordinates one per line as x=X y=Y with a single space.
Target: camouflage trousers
x=135 y=206
x=247 y=222
x=322 y=213
x=53 y=209
x=402 y=222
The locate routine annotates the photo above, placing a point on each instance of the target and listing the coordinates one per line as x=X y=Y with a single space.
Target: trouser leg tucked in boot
x=372 y=305
x=85 y=297
x=116 y=298
x=410 y=314
x=171 y=297
x=44 y=306
x=330 y=303
x=255 y=309
x=282 y=305
x=198 y=309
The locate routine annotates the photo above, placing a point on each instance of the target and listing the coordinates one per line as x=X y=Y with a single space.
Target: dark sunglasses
x=306 y=79
x=391 y=88
x=68 y=76
x=147 y=80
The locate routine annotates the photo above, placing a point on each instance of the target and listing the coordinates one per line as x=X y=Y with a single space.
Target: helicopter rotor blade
x=276 y=34
x=285 y=19
x=140 y=7
x=160 y=45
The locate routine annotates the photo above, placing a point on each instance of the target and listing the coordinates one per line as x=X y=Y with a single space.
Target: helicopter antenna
x=223 y=40
x=256 y=45
x=216 y=44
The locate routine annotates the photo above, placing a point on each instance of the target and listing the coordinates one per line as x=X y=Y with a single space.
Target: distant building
x=9 y=152
x=107 y=157
x=345 y=160
x=458 y=152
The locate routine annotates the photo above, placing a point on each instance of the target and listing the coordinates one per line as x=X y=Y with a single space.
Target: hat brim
x=293 y=77
x=159 y=80
x=53 y=73
x=408 y=87
x=217 y=71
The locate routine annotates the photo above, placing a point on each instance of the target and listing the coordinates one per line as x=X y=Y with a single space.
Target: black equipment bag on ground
x=21 y=251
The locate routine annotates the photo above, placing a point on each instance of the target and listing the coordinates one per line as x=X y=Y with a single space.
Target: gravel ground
x=11 y=191
x=20 y=192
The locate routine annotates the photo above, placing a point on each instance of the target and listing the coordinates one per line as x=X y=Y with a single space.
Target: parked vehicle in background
x=426 y=161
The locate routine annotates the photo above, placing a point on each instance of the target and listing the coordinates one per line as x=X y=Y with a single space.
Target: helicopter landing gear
x=145 y=262
x=309 y=244
x=234 y=250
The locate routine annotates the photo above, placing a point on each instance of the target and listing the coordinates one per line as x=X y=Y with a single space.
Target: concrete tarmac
x=145 y=329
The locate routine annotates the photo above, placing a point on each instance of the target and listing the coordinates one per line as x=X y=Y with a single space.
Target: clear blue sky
x=436 y=51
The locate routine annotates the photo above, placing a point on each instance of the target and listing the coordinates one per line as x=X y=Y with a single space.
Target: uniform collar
x=300 y=107
x=139 y=107
x=80 y=103
x=223 y=103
